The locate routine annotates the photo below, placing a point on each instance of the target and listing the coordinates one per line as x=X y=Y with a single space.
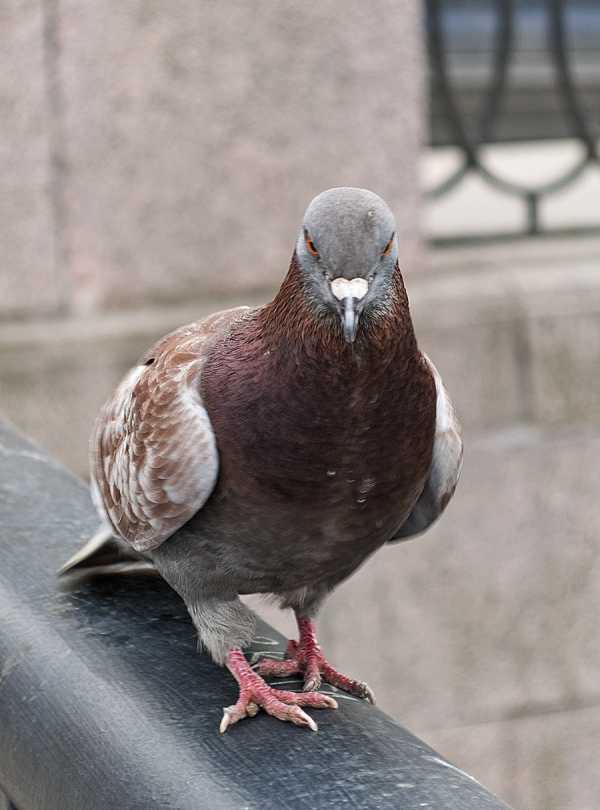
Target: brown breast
x=323 y=449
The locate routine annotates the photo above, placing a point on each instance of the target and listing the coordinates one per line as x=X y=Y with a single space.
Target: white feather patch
x=349 y=288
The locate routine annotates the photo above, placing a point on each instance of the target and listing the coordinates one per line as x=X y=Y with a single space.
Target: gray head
x=347 y=251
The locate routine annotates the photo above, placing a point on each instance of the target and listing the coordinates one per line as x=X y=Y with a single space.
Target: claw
x=312 y=683
x=368 y=693
x=300 y=718
x=230 y=717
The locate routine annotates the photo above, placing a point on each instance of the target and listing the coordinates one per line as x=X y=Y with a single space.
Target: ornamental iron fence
x=512 y=71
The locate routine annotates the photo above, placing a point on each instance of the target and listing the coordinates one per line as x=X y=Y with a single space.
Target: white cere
x=349 y=288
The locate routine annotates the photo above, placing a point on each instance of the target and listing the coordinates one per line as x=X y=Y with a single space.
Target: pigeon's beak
x=349 y=292
x=350 y=317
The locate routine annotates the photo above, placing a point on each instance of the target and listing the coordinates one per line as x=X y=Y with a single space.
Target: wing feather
x=153 y=455
x=445 y=466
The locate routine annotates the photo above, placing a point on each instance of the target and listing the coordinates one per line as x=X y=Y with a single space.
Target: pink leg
x=255 y=693
x=305 y=656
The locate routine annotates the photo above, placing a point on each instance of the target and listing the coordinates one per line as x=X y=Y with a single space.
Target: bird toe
x=273 y=668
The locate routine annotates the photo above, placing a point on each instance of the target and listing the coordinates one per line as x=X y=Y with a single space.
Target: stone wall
x=152 y=151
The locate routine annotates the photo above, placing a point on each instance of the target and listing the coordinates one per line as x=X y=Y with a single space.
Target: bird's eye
x=388 y=246
x=310 y=245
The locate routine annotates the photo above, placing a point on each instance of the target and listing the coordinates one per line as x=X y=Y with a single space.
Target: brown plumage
x=273 y=450
x=149 y=439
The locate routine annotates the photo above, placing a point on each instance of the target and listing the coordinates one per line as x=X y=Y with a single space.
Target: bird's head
x=347 y=253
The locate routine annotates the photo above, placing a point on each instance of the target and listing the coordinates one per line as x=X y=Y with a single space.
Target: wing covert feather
x=445 y=466
x=153 y=455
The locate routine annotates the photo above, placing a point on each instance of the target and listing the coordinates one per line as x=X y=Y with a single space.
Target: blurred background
x=155 y=162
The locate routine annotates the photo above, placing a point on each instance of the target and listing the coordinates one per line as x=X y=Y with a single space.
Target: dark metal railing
x=468 y=120
x=105 y=701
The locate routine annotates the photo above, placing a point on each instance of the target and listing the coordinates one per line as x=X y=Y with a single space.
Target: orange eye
x=310 y=245
x=388 y=247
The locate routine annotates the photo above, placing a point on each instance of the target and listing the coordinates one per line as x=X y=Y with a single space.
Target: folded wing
x=153 y=454
x=445 y=466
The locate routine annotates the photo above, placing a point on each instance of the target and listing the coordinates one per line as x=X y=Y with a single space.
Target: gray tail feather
x=106 y=555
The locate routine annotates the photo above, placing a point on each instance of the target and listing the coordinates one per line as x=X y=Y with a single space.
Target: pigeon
x=273 y=450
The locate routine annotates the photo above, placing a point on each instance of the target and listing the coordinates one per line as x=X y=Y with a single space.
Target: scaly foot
x=255 y=694
x=305 y=656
